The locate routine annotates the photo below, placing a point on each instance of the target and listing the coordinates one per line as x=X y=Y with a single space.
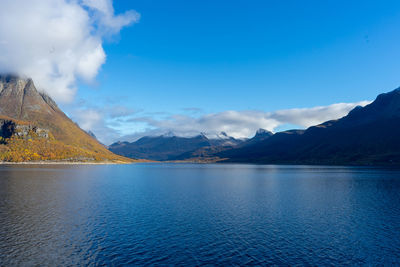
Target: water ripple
x=172 y=214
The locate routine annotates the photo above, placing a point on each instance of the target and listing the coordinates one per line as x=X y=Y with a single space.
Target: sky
x=128 y=68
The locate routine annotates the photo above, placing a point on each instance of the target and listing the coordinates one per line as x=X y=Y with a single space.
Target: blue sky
x=264 y=55
x=219 y=65
x=250 y=55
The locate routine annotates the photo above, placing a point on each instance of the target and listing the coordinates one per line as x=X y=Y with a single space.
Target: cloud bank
x=239 y=124
x=57 y=42
x=99 y=119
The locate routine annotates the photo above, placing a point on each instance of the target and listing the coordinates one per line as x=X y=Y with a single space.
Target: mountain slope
x=367 y=135
x=260 y=135
x=39 y=130
x=224 y=140
x=159 y=147
x=167 y=147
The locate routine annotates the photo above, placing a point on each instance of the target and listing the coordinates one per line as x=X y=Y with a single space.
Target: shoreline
x=61 y=163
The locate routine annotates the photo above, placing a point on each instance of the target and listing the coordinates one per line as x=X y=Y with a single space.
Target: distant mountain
x=92 y=134
x=367 y=135
x=32 y=127
x=164 y=147
x=171 y=147
x=260 y=135
x=222 y=139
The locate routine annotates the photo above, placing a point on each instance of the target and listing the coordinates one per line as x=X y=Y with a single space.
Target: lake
x=197 y=214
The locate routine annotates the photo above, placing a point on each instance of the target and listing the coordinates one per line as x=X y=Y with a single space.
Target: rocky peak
x=223 y=134
x=49 y=100
x=38 y=129
x=19 y=99
x=14 y=85
x=11 y=78
x=263 y=132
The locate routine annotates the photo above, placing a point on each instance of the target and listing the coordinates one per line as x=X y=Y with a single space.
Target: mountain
x=368 y=135
x=32 y=128
x=222 y=139
x=171 y=147
x=260 y=135
x=164 y=147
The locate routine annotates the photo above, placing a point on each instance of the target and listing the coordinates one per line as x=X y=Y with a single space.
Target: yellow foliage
x=65 y=142
x=41 y=149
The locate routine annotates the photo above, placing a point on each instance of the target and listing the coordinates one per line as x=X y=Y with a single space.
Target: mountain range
x=33 y=128
x=171 y=147
x=368 y=135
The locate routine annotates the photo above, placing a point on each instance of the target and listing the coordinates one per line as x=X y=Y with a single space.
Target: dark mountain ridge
x=367 y=135
x=171 y=147
x=261 y=134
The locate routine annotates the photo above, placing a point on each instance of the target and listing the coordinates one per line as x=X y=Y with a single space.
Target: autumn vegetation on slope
x=21 y=104
x=35 y=148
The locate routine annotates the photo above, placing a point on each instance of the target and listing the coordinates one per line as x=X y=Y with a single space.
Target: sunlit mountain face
x=33 y=128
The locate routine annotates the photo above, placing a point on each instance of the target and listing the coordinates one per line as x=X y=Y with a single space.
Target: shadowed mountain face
x=260 y=135
x=367 y=135
x=166 y=147
x=22 y=104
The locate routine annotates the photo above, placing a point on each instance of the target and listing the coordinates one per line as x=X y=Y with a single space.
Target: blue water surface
x=197 y=214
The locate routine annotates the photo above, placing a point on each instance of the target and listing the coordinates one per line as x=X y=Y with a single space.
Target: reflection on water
x=198 y=214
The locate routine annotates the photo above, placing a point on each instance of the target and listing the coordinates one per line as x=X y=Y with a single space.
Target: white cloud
x=88 y=119
x=99 y=119
x=117 y=111
x=116 y=122
x=105 y=19
x=93 y=120
x=307 y=117
x=56 y=42
x=240 y=124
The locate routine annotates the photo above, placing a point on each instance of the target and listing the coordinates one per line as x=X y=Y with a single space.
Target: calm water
x=198 y=214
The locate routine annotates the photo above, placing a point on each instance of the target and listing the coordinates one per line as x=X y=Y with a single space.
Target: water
x=181 y=214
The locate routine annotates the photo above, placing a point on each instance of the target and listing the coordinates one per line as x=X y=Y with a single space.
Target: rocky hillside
x=33 y=128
